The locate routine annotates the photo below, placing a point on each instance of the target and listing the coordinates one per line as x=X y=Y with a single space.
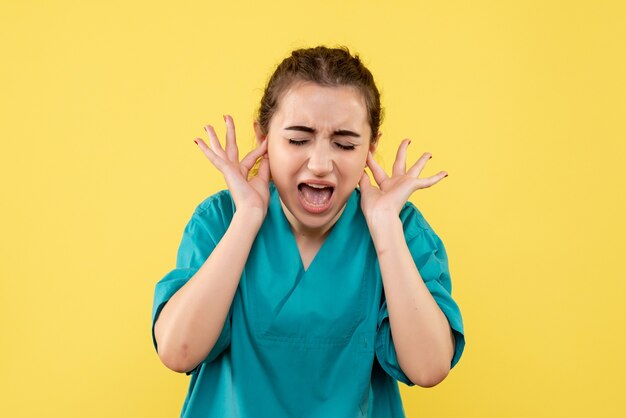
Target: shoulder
x=424 y=244
x=218 y=207
x=221 y=199
x=413 y=222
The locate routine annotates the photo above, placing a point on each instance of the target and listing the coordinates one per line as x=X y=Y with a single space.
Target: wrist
x=251 y=217
x=383 y=224
x=383 y=219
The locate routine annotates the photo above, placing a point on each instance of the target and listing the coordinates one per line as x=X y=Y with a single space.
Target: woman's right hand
x=250 y=196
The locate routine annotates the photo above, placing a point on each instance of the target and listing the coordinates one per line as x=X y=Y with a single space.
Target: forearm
x=421 y=333
x=192 y=320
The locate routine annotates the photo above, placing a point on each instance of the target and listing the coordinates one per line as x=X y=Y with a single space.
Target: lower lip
x=315 y=209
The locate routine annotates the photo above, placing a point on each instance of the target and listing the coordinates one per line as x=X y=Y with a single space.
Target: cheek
x=353 y=167
x=277 y=152
x=282 y=163
x=275 y=156
x=287 y=158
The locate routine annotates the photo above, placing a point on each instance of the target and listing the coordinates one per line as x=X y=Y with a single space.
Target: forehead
x=322 y=107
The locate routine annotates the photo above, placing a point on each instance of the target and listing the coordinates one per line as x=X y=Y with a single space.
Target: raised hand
x=248 y=195
x=393 y=192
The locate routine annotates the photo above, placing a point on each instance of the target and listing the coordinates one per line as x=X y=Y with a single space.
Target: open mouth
x=315 y=198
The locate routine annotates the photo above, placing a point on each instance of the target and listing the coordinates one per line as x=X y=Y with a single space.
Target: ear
x=258 y=132
x=374 y=142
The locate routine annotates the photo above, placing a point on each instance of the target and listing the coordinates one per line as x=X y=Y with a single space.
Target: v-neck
x=328 y=241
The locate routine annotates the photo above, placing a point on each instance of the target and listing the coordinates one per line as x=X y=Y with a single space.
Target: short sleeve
x=201 y=235
x=431 y=259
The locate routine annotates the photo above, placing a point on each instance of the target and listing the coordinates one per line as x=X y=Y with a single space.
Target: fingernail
x=446 y=175
x=430 y=157
x=206 y=128
x=195 y=141
x=224 y=118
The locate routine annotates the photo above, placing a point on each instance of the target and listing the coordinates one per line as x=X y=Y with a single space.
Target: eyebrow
x=340 y=132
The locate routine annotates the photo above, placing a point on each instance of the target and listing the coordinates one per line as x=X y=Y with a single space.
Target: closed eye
x=294 y=142
x=345 y=147
x=299 y=142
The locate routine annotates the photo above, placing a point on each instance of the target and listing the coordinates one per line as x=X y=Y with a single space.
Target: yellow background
x=523 y=103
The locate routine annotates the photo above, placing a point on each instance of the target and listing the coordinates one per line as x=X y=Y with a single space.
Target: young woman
x=297 y=293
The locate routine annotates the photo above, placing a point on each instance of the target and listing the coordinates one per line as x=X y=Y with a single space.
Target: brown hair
x=327 y=67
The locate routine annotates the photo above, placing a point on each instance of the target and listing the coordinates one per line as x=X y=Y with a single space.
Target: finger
x=399 y=166
x=264 y=169
x=249 y=160
x=214 y=158
x=417 y=168
x=365 y=182
x=215 y=143
x=231 y=142
x=429 y=181
x=379 y=174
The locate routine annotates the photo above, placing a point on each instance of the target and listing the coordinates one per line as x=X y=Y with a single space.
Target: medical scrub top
x=304 y=343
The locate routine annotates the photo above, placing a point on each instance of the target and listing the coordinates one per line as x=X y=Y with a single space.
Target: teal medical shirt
x=304 y=343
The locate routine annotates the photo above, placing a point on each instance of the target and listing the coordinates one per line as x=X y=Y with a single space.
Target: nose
x=320 y=160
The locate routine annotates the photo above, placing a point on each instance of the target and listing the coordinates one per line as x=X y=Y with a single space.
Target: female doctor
x=297 y=293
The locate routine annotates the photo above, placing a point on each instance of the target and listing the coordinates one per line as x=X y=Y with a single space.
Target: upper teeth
x=317 y=186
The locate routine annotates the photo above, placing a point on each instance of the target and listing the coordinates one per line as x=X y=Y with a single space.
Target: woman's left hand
x=393 y=192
